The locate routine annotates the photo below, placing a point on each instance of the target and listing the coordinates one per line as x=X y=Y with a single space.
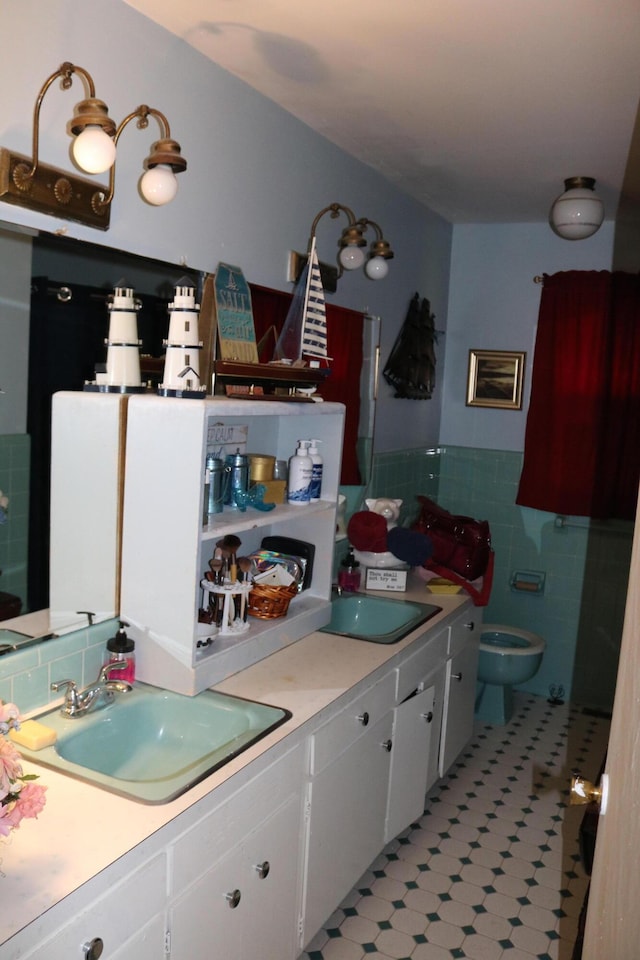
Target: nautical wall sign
x=236 y=333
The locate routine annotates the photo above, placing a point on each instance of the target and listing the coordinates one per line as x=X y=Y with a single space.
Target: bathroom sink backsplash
x=26 y=675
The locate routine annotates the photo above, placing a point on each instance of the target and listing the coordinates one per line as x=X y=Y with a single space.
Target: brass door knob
x=583 y=791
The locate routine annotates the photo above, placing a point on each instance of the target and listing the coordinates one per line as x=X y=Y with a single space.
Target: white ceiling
x=477 y=108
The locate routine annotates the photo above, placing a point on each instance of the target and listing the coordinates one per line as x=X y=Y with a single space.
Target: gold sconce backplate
x=50 y=190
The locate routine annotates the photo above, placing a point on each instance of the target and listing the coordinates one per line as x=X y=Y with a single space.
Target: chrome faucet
x=99 y=694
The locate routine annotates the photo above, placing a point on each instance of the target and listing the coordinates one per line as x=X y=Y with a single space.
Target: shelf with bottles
x=166 y=549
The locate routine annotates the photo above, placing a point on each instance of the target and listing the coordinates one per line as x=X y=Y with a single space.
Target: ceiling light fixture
x=27 y=182
x=578 y=212
x=351 y=255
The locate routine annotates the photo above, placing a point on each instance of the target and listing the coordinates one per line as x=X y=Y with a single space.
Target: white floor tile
x=491 y=871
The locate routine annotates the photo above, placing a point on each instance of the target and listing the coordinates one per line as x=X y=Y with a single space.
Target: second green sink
x=376 y=619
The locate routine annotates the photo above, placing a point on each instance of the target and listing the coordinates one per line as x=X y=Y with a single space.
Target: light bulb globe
x=159 y=185
x=351 y=257
x=94 y=150
x=577 y=213
x=376 y=268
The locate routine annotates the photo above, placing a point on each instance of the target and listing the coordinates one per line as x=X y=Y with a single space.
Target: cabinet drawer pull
x=233 y=898
x=363 y=718
x=470 y=626
x=427 y=716
x=93 y=949
x=387 y=744
x=262 y=869
x=457 y=676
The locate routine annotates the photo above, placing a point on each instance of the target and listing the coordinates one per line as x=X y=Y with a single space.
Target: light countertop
x=84 y=829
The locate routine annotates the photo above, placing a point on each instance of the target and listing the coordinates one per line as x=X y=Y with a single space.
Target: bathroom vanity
x=253 y=860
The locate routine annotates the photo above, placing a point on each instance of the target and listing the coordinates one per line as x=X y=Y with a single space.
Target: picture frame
x=495 y=379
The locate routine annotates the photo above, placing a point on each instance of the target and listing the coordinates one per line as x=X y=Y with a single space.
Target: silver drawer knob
x=363 y=718
x=233 y=898
x=386 y=745
x=262 y=869
x=93 y=949
x=427 y=716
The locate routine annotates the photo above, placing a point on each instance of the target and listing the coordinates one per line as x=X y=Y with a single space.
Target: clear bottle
x=300 y=474
x=121 y=648
x=316 y=470
x=349 y=573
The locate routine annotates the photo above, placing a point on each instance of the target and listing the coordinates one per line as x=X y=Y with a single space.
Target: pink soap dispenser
x=349 y=573
x=121 y=648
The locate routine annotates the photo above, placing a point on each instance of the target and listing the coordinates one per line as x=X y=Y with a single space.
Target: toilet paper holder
x=528 y=581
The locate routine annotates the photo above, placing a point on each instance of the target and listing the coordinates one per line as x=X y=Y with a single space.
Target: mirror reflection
x=53 y=324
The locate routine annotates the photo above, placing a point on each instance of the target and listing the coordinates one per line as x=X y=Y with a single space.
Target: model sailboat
x=303 y=339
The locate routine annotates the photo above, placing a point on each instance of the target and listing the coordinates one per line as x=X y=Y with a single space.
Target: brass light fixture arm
x=164 y=150
x=334 y=210
x=65 y=72
x=380 y=247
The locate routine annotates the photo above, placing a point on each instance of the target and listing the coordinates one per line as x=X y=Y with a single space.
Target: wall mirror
x=53 y=322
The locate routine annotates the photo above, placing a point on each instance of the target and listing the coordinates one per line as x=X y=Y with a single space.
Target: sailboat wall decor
x=411 y=367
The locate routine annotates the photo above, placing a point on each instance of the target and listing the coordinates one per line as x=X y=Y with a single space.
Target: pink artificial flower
x=6 y=820
x=31 y=800
x=10 y=767
x=9 y=716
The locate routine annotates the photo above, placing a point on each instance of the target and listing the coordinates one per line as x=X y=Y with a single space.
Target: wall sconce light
x=351 y=255
x=578 y=212
x=27 y=182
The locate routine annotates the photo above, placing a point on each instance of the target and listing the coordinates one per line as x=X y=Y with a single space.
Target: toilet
x=508 y=656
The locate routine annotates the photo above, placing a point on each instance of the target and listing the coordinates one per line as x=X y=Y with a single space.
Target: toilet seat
x=510 y=641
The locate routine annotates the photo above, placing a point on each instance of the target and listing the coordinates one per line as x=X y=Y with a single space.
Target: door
x=613 y=918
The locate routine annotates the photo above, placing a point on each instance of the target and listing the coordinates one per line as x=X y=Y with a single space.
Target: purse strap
x=480 y=597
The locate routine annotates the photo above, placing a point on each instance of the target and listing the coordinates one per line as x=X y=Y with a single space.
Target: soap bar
x=33 y=735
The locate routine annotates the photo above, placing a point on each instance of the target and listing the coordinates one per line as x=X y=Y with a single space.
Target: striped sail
x=314 y=328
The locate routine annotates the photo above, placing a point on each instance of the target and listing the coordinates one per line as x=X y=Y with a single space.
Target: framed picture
x=495 y=379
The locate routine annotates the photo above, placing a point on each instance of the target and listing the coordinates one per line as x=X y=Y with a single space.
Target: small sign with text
x=393 y=580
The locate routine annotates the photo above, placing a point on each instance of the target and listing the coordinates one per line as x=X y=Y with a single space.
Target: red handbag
x=460 y=544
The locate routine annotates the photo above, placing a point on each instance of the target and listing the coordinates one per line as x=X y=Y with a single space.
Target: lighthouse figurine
x=182 y=363
x=121 y=373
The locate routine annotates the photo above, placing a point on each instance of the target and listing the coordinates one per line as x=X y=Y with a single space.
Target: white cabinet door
x=246 y=906
x=412 y=745
x=459 y=703
x=126 y=921
x=346 y=823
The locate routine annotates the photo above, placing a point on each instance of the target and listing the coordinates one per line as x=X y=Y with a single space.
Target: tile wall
x=581 y=611
x=26 y=676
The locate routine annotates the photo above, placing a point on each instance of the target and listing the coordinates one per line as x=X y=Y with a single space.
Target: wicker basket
x=270 y=602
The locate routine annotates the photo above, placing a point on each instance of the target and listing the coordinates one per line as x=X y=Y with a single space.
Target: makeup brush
x=245 y=574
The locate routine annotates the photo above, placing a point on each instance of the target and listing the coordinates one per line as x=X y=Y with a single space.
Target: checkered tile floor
x=492 y=869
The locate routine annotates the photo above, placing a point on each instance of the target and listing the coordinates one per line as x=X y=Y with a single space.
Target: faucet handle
x=71 y=692
x=106 y=668
x=69 y=684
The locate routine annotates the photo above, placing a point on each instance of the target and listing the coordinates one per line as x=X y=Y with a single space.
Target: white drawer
x=353 y=720
x=431 y=655
x=464 y=628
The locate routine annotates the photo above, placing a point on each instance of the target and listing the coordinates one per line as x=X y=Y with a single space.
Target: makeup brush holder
x=232 y=606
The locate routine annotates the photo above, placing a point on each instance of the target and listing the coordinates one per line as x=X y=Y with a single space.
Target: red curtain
x=582 y=441
x=344 y=346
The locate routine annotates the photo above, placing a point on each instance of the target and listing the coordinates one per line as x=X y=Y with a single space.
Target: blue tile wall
x=26 y=676
x=581 y=612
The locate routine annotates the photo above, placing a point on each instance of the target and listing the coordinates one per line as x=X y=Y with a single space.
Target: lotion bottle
x=316 y=470
x=300 y=474
x=121 y=648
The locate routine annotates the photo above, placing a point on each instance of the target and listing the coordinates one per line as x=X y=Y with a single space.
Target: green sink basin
x=152 y=745
x=376 y=619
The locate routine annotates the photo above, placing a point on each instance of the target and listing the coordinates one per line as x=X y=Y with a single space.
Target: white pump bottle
x=300 y=474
